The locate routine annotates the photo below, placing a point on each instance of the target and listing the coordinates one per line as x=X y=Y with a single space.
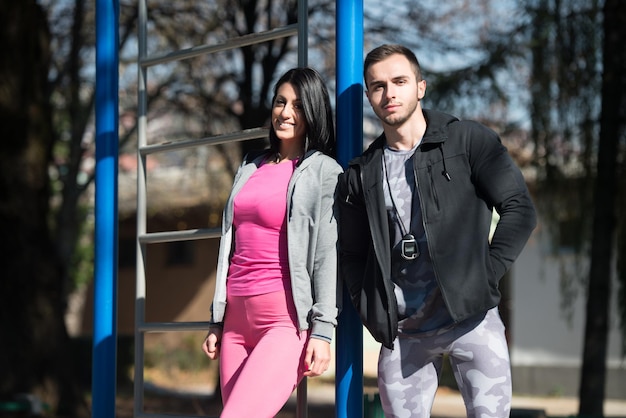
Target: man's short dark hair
x=385 y=51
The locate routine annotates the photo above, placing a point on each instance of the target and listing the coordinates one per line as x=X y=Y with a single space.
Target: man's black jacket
x=463 y=172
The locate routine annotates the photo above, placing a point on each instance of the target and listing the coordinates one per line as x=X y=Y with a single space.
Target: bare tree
x=578 y=127
x=38 y=357
x=612 y=135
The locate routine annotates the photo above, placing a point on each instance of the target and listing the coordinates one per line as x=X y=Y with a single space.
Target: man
x=416 y=254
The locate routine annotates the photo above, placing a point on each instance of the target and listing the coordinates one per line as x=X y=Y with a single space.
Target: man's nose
x=390 y=91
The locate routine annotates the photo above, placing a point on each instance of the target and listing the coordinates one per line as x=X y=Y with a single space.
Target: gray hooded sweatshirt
x=311 y=240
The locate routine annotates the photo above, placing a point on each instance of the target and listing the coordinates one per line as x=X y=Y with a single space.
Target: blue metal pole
x=349 y=344
x=104 y=362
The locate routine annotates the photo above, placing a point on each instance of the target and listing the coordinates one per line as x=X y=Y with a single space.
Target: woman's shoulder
x=255 y=156
x=325 y=162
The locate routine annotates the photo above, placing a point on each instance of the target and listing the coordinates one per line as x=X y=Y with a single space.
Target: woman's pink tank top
x=260 y=262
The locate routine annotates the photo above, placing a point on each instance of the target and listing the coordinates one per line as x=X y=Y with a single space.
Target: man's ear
x=421 y=89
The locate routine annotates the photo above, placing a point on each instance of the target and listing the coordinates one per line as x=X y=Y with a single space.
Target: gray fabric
x=420 y=305
x=312 y=243
x=408 y=376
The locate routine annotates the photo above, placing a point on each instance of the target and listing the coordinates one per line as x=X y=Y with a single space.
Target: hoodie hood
x=436 y=133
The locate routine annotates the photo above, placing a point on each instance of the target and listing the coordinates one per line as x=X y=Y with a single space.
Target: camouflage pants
x=408 y=376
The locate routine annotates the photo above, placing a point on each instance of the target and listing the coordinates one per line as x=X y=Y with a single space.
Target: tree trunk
x=593 y=374
x=35 y=357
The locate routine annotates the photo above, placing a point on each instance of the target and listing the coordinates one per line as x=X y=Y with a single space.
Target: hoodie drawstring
x=443 y=159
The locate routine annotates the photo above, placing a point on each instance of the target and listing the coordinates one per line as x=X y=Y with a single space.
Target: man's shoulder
x=438 y=117
x=371 y=151
x=447 y=126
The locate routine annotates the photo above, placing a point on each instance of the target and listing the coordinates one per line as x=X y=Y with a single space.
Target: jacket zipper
x=433 y=258
x=432 y=185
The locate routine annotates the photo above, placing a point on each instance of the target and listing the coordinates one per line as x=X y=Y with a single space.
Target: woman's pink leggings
x=261 y=355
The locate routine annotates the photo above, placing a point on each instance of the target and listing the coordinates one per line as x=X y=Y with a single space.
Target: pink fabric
x=259 y=263
x=262 y=355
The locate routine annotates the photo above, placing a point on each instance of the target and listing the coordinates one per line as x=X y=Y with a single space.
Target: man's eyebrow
x=393 y=79
x=400 y=77
x=372 y=82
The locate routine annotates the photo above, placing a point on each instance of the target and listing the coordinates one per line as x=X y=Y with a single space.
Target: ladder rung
x=250 y=39
x=187 y=235
x=173 y=326
x=244 y=135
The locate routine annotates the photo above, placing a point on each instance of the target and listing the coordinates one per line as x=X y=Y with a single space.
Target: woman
x=275 y=308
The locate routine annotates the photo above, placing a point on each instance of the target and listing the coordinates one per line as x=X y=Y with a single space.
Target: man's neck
x=406 y=136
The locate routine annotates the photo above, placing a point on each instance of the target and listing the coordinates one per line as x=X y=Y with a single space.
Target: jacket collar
x=436 y=133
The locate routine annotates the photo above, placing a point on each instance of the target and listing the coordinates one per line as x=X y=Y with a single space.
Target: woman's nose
x=287 y=111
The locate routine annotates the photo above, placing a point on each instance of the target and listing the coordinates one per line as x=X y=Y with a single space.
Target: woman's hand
x=211 y=344
x=317 y=357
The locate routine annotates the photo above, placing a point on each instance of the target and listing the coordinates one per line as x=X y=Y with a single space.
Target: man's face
x=393 y=90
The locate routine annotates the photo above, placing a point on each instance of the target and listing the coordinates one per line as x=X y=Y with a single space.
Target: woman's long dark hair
x=320 y=131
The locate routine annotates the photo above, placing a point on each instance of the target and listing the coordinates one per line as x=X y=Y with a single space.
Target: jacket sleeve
x=502 y=184
x=361 y=276
x=354 y=236
x=324 y=309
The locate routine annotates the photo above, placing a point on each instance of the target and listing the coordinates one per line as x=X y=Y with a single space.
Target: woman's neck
x=288 y=153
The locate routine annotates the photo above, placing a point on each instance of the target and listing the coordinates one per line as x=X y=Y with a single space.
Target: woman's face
x=287 y=115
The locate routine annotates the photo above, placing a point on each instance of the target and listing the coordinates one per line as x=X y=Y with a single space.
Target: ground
x=205 y=407
x=179 y=394
x=163 y=395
